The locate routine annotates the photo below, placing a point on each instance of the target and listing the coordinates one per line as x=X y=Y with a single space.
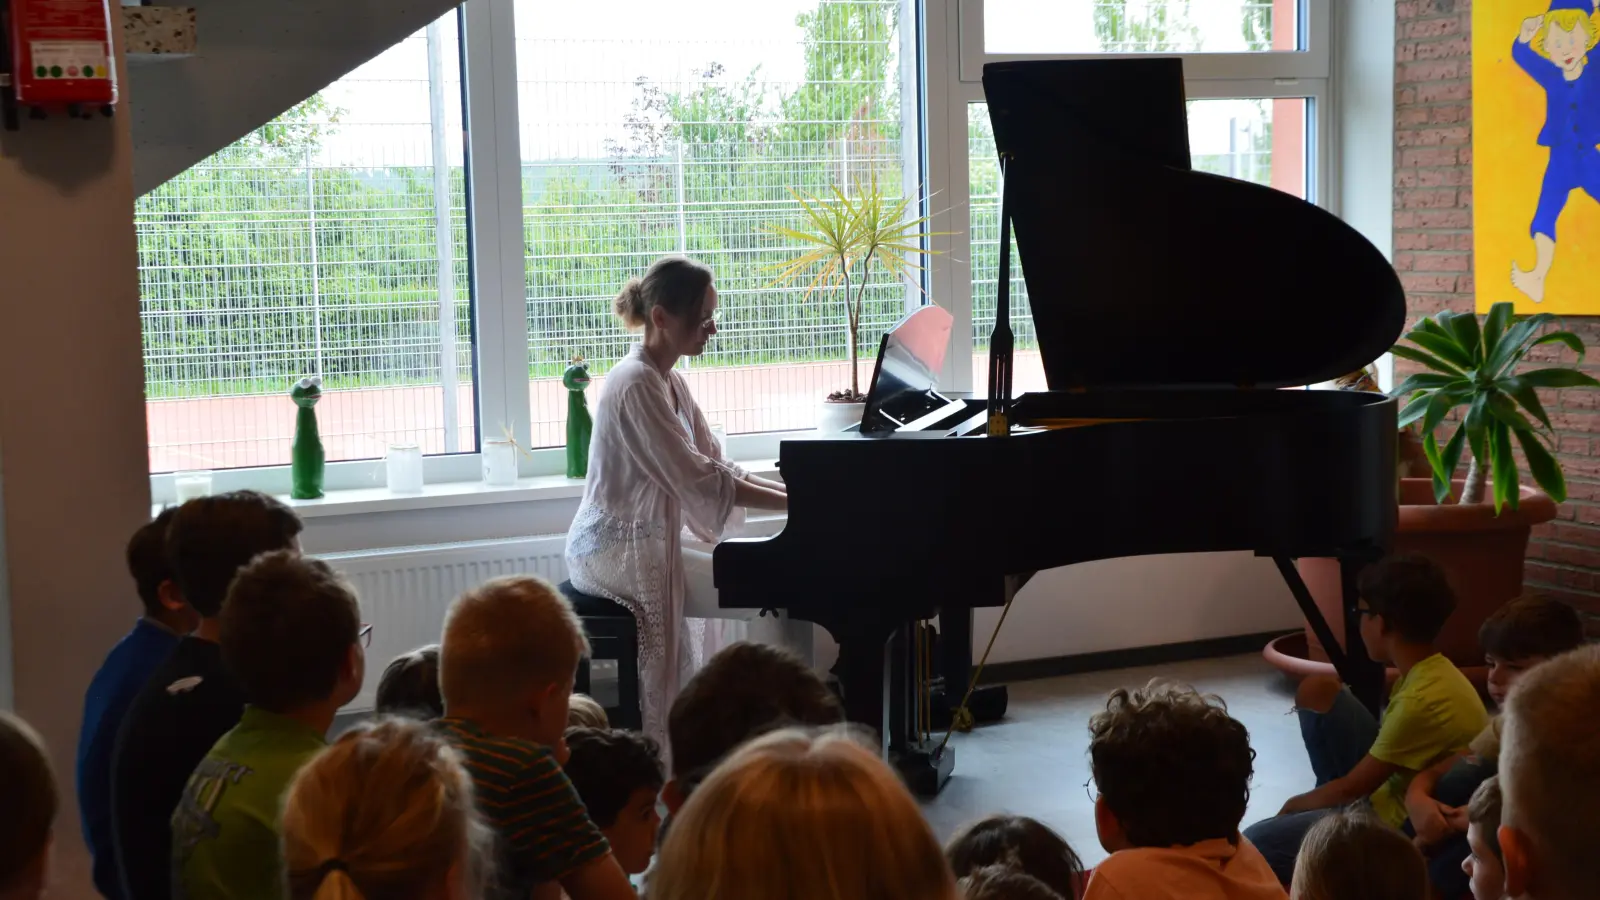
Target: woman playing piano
x=656 y=469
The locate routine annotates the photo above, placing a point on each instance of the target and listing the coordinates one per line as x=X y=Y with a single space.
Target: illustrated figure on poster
x=1554 y=50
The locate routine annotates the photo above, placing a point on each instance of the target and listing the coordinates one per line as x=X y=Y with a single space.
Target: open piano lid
x=1143 y=273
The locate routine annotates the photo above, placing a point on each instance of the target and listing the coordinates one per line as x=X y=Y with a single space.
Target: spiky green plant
x=842 y=236
x=1477 y=368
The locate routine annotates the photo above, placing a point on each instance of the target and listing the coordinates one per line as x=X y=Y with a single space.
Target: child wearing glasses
x=292 y=636
x=1433 y=712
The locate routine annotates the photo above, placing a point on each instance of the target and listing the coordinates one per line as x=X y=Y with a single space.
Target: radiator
x=405 y=591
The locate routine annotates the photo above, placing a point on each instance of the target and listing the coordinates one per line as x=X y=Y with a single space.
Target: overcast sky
x=577 y=63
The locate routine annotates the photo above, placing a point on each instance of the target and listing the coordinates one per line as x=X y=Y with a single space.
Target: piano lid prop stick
x=961 y=719
x=1000 y=340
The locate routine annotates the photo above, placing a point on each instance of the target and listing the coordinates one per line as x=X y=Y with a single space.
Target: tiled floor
x=1034 y=763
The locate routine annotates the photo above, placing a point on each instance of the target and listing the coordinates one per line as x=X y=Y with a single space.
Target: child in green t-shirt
x=1433 y=710
x=292 y=635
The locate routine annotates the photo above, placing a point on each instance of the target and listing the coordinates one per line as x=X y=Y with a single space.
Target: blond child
x=386 y=812
x=799 y=815
x=1018 y=843
x=583 y=711
x=506 y=668
x=1550 y=780
x=1484 y=867
x=28 y=801
x=1353 y=855
x=1172 y=770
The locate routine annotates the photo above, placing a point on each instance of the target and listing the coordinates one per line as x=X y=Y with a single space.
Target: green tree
x=1152 y=26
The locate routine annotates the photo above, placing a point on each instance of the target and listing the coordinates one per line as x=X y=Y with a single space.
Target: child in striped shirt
x=506 y=666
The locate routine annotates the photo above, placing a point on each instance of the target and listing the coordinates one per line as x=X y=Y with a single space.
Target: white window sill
x=444 y=495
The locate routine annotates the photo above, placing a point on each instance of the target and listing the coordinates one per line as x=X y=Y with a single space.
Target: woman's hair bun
x=629 y=305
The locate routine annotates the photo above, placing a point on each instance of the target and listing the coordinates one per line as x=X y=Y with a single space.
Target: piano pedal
x=924 y=767
x=987 y=705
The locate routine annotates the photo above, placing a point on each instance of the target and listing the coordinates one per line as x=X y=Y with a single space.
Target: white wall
x=1115 y=604
x=73 y=462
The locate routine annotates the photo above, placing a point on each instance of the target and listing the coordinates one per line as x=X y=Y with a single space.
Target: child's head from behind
x=1524 y=633
x=410 y=685
x=1550 y=780
x=618 y=777
x=793 y=814
x=1484 y=867
x=153 y=577
x=745 y=690
x=385 y=812
x=212 y=538
x=1351 y=854
x=1020 y=843
x=583 y=711
x=290 y=634
x=510 y=652
x=1171 y=766
x=28 y=801
x=1005 y=883
x=1405 y=600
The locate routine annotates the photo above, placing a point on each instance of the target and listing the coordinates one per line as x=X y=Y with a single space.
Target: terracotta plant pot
x=1481 y=552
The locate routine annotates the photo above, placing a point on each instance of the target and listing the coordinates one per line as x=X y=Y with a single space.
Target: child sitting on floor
x=1351 y=854
x=1020 y=843
x=506 y=668
x=618 y=776
x=28 y=801
x=292 y=636
x=583 y=711
x=1484 y=867
x=410 y=685
x=1550 y=780
x=1517 y=637
x=793 y=815
x=1173 y=771
x=1004 y=883
x=1433 y=710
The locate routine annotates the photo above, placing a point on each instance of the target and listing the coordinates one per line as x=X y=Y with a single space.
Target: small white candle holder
x=403 y=466
x=499 y=463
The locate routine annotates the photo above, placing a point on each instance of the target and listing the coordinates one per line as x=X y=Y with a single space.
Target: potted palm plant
x=1477 y=526
x=842 y=236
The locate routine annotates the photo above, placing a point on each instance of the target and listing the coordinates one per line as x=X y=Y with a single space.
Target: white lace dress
x=655 y=469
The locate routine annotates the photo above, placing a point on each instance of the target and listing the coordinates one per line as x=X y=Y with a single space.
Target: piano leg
x=879 y=692
x=954 y=661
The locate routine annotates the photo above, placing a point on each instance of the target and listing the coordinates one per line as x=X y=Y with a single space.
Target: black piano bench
x=613 y=635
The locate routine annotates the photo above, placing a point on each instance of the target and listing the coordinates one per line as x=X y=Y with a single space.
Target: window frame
x=944 y=46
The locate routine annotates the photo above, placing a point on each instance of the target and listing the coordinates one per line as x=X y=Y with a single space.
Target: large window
x=651 y=129
x=331 y=242
x=440 y=232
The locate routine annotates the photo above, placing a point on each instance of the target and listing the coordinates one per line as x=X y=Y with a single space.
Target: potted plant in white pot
x=843 y=236
x=1476 y=527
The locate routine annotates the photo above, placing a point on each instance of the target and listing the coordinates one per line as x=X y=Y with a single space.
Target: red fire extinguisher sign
x=61 y=53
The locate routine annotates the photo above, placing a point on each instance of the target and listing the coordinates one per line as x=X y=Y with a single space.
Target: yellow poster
x=1536 y=155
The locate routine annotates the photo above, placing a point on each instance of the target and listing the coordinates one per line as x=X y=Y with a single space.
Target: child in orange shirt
x=1172 y=770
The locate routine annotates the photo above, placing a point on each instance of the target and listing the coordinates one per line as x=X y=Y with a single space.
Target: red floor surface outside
x=235 y=432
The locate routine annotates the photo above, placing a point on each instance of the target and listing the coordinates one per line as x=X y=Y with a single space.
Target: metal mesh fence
x=690 y=141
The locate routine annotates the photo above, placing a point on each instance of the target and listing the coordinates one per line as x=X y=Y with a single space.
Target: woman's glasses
x=364 y=636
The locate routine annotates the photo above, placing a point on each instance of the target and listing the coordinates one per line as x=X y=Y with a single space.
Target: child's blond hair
x=1483 y=810
x=28 y=804
x=1566 y=20
x=1350 y=854
x=1550 y=769
x=385 y=812
x=794 y=814
x=505 y=637
x=583 y=711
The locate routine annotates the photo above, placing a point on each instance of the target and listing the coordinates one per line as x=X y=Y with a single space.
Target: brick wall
x=1433 y=253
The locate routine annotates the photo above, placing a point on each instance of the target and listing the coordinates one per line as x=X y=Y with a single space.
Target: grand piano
x=1170 y=307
